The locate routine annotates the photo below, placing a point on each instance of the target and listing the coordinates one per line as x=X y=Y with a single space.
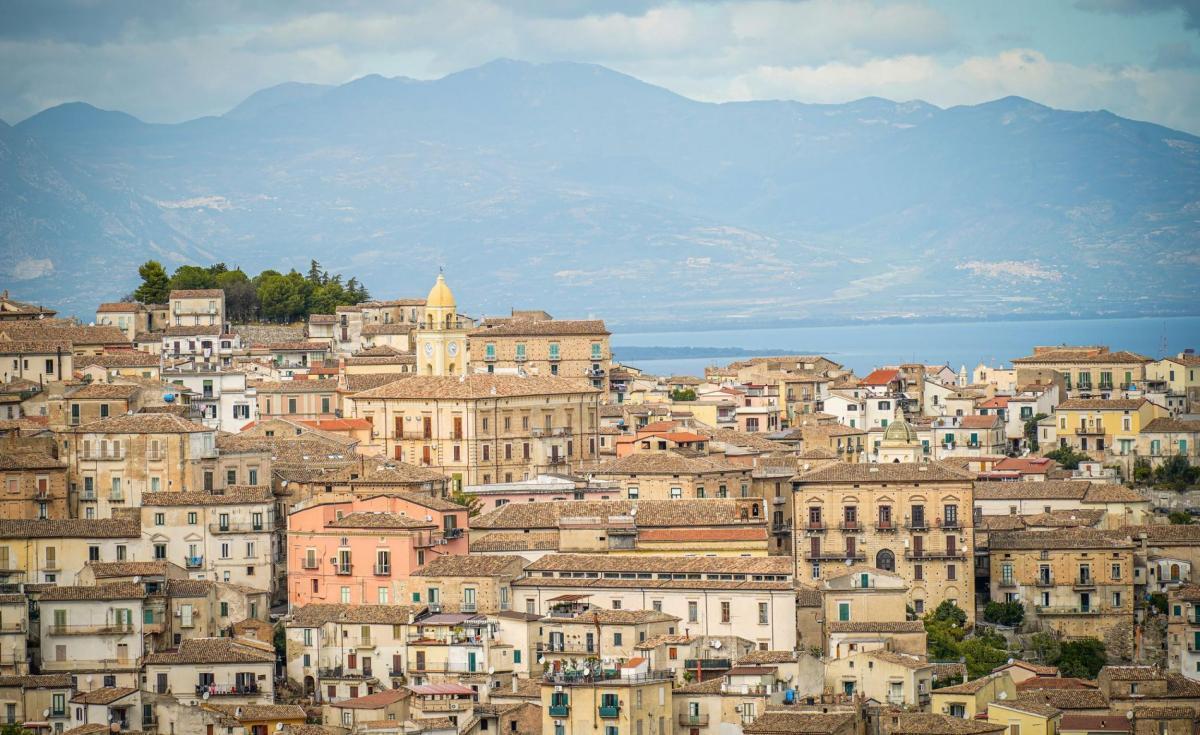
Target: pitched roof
x=693 y=513
x=123 y=358
x=1077 y=538
x=799 y=723
x=327 y=385
x=71 y=528
x=1101 y=404
x=1029 y=705
x=142 y=423
x=863 y=626
x=903 y=659
x=211 y=651
x=107 y=591
x=974 y=686
x=378 y=519
x=1039 y=669
x=1081 y=355
x=109 y=569
x=542 y=328
x=774 y=565
x=317 y=614
x=252 y=712
x=666 y=463
x=886 y=472
x=376 y=700
x=476 y=386
x=455 y=565
x=233 y=495
x=927 y=723
x=880 y=377
x=36 y=681
x=1067 y=699
x=31 y=460
x=532 y=541
x=196 y=293
x=103 y=695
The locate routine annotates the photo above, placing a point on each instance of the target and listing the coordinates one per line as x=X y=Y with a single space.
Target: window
x=633 y=492
x=725 y=615
x=676 y=493
x=693 y=609
x=764 y=613
x=191 y=518
x=160 y=551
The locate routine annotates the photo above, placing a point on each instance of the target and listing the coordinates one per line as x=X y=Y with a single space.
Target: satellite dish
x=238 y=712
x=541 y=660
x=278 y=726
x=204 y=696
x=137 y=579
x=633 y=511
x=168 y=397
x=45 y=713
x=1010 y=662
x=491 y=670
x=716 y=644
x=587 y=671
x=1003 y=695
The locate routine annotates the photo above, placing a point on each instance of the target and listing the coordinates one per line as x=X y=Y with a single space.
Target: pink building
x=362 y=550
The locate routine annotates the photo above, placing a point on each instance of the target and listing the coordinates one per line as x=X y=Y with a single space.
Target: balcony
x=949 y=523
x=227 y=690
x=1007 y=583
x=885 y=526
x=95 y=629
x=193 y=562
x=1070 y=610
x=935 y=554
x=610 y=711
x=916 y=524
x=686 y=720
x=382 y=570
x=1089 y=430
x=1084 y=583
x=835 y=556
x=781 y=529
x=17 y=626
x=1044 y=581
x=707 y=664
x=116 y=498
x=310 y=563
x=849 y=526
x=815 y=527
x=343 y=570
x=560 y=711
x=452 y=533
x=235 y=527
x=340 y=672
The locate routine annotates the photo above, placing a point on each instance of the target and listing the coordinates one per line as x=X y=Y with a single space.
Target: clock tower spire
x=441 y=337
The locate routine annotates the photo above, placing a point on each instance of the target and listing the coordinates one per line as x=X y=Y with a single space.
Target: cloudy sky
x=171 y=60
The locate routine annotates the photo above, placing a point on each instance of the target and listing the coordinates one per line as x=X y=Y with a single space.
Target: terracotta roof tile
x=108 y=591
x=886 y=472
x=211 y=651
x=142 y=423
x=378 y=519
x=1079 y=538
x=800 y=723
x=71 y=528
x=927 y=723
x=862 y=626
x=453 y=565
x=234 y=495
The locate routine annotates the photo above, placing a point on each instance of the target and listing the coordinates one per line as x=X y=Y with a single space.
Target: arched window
x=1174 y=572
x=885 y=560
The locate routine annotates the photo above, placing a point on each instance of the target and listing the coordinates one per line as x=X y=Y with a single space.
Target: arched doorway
x=885 y=560
x=310 y=686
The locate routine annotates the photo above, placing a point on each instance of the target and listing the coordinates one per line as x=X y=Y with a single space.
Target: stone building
x=35 y=485
x=673 y=475
x=482 y=428
x=542 y=345
x=911 y=519
x=1078 y=583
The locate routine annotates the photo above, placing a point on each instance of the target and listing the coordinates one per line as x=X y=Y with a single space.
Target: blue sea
x=865 y=347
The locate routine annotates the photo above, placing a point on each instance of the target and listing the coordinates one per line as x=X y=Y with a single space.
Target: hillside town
x=397 y=518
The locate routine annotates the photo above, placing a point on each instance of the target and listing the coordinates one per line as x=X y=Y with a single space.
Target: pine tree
x=156 y=285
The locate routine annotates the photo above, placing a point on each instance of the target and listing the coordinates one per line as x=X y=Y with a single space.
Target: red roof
x=680 y=437
x=656 y=426
x=997 y=402
x=1025 y=465
x=377 y=700
x=880 y=377
x=977 y=422
x=435 y=689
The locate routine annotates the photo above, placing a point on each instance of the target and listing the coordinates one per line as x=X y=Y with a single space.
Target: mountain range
x=583 y=191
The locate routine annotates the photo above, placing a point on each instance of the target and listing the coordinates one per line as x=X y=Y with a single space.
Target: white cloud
x=815 y=51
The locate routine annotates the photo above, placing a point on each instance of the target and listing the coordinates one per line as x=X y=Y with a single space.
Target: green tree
x=683 y=394
x=1143 y=473
x=1068 y=457
x=466 y=500
x=241 y=297
x=192 y=276
x=983 y=654
x=156 y=286
x=1004 y=613
x=1082 y=658
x=1177 y=472
x=316 y=275
x=283 y=298
x=1158 y=601
x=1179 y=518
x=1046 y=648
x=944 y=631
x=948 y=612
x=1031 y=432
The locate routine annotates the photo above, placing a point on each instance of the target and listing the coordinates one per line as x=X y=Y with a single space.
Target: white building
x=225 y=401
x=225 y=538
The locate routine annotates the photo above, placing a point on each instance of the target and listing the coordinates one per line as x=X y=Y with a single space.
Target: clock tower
x=441 y=337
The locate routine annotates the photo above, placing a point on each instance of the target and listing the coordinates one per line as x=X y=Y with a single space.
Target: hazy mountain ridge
x=586 y=191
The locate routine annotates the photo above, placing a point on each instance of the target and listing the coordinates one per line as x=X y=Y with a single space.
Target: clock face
x=429 y=349
x=453 y=349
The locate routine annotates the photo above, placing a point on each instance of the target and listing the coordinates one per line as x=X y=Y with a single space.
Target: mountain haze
x=583 y=191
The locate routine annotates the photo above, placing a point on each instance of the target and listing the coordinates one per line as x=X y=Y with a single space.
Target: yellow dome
x=440 y=296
